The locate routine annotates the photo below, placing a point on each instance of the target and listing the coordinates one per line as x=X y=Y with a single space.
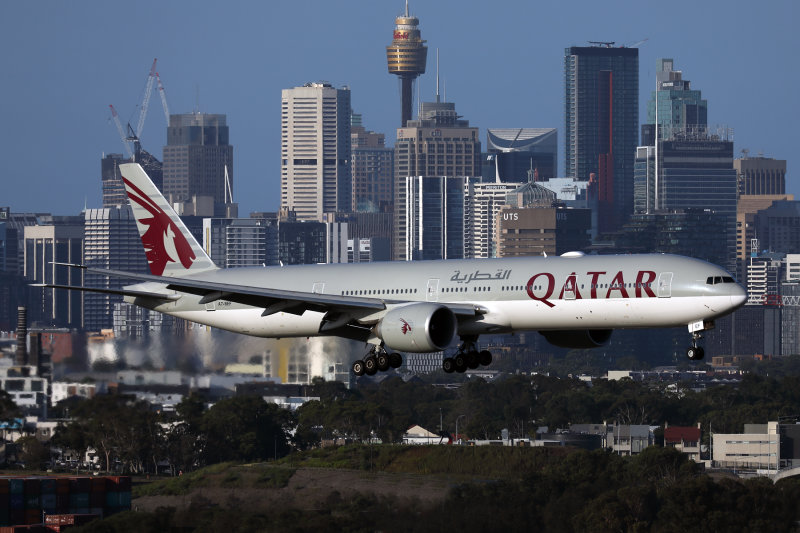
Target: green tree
x=32 y=453
x=245 y=428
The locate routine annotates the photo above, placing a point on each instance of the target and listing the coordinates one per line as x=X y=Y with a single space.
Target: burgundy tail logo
x=162 y=241
x=406 y=327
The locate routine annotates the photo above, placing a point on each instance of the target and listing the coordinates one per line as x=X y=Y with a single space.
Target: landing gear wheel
x=370 y=365
x=460 y=363
x=383 y=362
x=449 y=365
x=695 y=353
x=358 y=368
x=485 y=357
x=395 y=360
x=473 y=360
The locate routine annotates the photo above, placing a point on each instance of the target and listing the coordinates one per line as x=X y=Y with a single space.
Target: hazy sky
x=64 y=62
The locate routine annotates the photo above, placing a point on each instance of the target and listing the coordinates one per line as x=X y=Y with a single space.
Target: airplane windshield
x=713 y=280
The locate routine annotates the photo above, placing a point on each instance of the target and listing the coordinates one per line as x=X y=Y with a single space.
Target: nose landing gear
x=696 y=352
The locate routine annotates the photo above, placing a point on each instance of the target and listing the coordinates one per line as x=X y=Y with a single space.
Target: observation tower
x=406 y=58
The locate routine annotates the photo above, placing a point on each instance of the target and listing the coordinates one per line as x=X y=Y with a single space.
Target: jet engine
x=418 y=327
x=587 y=338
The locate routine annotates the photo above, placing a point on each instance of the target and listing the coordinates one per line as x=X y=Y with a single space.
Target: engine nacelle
x=587 y=338
x=418 y=327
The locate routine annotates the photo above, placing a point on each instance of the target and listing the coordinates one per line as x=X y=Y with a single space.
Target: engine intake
x=418 y=327
x=587 y=338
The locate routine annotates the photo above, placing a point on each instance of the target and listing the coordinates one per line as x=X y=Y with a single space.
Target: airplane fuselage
x=514 y=294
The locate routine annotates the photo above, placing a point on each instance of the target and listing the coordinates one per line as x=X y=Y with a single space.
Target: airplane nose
x=738 y=297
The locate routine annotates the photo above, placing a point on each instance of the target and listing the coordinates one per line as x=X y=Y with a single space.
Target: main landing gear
x=467 y=357
x=377 y=359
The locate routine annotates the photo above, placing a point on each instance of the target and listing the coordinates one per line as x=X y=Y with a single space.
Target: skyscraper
x=373 y=171
x=685 y=165
x=761 y=175
x=674 y=105
x=601 y=122
x=316 y=176
x=113 y=188
x=435 y=214
x=60 y=241
x=406 y=58
x=439 y=144
x=111 y=242
x=197 y=157
x=483 y=203
x=691 y=174
x=520 y=154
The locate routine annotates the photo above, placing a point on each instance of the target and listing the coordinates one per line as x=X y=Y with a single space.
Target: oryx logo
x=406 y=327
x=163 y=241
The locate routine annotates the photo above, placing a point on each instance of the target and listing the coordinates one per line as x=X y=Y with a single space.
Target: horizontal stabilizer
x=123 y=292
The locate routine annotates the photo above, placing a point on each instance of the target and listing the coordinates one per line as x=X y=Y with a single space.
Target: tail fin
x=170 y=248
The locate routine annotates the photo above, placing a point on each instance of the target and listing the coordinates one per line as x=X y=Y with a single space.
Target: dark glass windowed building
x=601 y=124
x=196 y=158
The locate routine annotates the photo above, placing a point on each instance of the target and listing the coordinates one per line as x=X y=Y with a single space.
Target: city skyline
x=70 y=62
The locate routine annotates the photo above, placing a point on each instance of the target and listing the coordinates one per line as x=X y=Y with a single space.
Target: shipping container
x=33 y=516
x=62 y=485
x=98 y=484
x=49 y=503
x=16 y=485
x=49 y=485
x=33 y=486
x=16 y=501
x=68 y=519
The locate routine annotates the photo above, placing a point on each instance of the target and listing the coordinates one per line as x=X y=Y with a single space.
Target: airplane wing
x=275 y=300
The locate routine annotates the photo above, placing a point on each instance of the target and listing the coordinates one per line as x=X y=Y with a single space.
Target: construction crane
x=146 y=100
x=131 y=139
x=638 y=43
x=163 y=98
x=121 y=131
x=602 y=44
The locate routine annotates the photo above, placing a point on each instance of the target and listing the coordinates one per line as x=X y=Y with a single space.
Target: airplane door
x=570 y=289
x=432 y=294
x=665 y=285
x=319 y=287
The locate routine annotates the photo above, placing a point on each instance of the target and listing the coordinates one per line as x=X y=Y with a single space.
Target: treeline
x=130 y=437
x=548 y=490
x=523 y=403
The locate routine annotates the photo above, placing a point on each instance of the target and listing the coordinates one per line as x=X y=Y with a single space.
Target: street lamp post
x=457 y=419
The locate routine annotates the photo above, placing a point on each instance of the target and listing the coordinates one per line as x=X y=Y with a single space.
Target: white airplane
x=574 y=300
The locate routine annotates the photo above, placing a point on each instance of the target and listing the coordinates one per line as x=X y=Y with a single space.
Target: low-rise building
x=61 y=390
x=758 y=448
x=683 y=439
x=419 y=435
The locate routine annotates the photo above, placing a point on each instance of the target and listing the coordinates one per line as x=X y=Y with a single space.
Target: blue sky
x=63 y=63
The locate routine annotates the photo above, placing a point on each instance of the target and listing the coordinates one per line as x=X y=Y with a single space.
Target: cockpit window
x=713 y=280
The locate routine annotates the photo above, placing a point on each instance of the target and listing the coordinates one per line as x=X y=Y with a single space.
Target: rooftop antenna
x=437 y=72
x=228 y=187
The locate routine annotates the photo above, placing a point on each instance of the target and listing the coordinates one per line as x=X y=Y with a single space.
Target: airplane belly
x=604 y=313
x=250 y=322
